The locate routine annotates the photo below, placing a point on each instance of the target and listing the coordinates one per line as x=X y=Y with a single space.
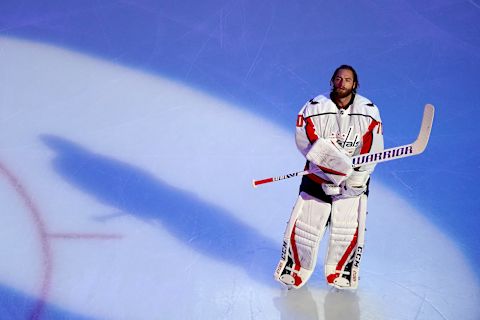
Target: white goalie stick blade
x=408 y=150
x=417 y=147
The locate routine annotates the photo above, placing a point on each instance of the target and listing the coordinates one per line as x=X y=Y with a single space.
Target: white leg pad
x=346 y=242
x=302 y=236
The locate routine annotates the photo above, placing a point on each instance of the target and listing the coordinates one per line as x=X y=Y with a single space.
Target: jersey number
x=300 y=120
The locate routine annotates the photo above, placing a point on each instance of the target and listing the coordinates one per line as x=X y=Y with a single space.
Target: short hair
x=347 y=67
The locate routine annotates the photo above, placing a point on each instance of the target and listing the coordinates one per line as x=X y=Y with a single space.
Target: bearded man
x=329 y=131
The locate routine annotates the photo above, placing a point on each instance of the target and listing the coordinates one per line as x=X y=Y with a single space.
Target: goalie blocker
x=309 y=220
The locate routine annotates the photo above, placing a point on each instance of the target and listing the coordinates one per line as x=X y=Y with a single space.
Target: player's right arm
x=321 y=151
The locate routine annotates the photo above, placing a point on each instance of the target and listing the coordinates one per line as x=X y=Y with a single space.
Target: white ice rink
x=126 y=194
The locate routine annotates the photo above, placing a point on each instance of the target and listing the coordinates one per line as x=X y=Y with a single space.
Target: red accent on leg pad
x=348 y=252
x=331 y=277
x=297 y=279
x=293 y=243
x=296 y=258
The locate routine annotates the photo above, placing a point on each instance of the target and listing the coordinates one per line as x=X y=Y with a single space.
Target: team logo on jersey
x=348 y=141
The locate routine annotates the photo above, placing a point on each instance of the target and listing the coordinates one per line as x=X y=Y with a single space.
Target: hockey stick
x=408 y=150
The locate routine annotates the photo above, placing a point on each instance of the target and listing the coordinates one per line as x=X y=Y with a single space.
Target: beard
x=341 y=93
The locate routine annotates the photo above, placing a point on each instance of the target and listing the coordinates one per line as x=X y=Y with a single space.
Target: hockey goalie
x=329 y=131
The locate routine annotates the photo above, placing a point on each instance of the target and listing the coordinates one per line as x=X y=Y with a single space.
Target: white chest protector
x=357 y=128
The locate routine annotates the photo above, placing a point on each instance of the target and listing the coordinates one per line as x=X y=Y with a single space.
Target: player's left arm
x=372 y=141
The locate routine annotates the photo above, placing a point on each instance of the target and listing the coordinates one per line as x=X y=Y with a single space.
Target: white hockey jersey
x=357 y=128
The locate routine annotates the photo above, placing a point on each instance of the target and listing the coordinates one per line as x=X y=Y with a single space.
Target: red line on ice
x=42 y=235
x=86 y=236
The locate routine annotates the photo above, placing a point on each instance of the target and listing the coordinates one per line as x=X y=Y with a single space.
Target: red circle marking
x=42 y=236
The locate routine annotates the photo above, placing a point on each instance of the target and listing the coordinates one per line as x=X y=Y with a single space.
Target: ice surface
x=127 y=152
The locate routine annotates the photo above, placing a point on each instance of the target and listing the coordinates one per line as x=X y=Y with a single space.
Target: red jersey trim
x=368 y=137
x=310 y=131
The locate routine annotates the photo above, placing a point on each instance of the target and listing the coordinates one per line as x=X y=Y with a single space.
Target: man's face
x=343 y=83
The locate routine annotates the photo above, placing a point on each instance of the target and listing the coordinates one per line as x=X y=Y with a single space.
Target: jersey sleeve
x=306 y=132
x=372 y=140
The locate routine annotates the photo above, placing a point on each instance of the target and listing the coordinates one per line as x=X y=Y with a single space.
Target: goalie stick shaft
x=408 y=150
